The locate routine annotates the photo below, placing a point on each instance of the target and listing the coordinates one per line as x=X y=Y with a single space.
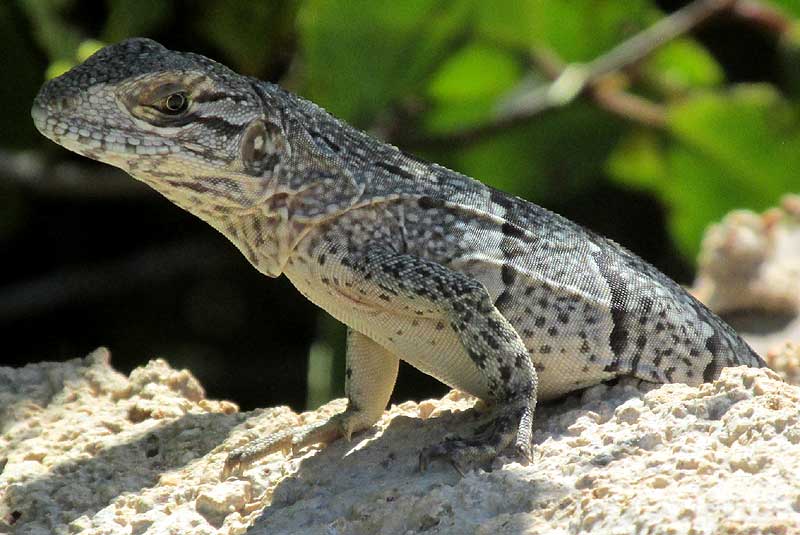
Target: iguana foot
x=507 y=431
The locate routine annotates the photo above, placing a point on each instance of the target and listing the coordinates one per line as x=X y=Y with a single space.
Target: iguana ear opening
x=262 y=148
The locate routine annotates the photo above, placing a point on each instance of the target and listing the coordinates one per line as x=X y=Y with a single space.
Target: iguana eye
x=174 y=104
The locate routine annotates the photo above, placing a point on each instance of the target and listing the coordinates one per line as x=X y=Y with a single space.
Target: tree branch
x=572 y=80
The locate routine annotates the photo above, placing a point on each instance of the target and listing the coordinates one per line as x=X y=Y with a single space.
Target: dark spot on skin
x=512 y=230
x=503 y=299
x=641 y=341
x=563 y=317
x=713 y=344
x=505 y=373
x=348 y=372
x=395 y=170
x=507 y=274
x=709 y=372
x=321 y=260
x=477 y=358
x=490 y=340
x=540 y=321
x=529 y=290
x=545 y=349
x=552 y=331
x=384 y=297
x=429 y=203
x=618 y=339
x=439 y=325
x=669 y=373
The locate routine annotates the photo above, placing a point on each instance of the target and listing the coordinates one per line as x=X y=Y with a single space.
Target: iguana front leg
x=369 y=380
x=402 y=285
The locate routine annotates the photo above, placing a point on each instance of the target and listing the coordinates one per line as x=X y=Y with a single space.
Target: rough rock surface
x=90 y=451
x=752 y=261
x=86 y=450
x=749 y=270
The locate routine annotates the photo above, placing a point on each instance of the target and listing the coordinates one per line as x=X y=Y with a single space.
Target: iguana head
x=204 y=136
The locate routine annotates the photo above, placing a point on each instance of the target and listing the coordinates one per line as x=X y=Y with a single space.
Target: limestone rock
x=90 y=451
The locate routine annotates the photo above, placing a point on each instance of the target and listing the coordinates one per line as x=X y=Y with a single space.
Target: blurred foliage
x=435 y=76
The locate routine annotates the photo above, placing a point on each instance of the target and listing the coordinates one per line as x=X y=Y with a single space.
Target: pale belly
x=425 y=341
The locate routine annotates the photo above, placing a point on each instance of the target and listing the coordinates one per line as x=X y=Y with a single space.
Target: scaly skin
x=491 y=294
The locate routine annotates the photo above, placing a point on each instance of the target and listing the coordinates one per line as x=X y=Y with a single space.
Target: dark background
x=90 y=257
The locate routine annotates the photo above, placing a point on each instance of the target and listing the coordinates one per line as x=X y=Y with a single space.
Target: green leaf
x=451 y=116
x=789 y=53
x=578 y=30
x=465 y=88
x=126 y=18
x=248 y=32
x=682 y=65
x=739 y=149
x=476 y=72
x=361 y=57
x=790 y=7
x=639 y=160
x=53 y=34
x=751 y=132
x=699 y=191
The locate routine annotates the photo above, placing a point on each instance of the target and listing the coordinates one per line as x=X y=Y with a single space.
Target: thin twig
x=576 y=79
